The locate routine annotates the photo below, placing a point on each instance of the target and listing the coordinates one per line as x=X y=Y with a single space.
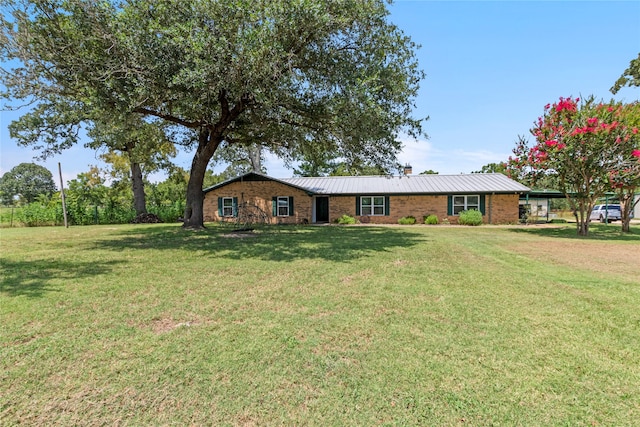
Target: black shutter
x=482 y=204
x=357 y=205
x=449 y=205
x=274 y=205
x=290 y=205
x=235 y=207
x=387 y=208
x=220 y=206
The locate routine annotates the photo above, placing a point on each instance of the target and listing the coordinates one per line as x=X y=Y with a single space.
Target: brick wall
x=500 y=208
x=256 y=197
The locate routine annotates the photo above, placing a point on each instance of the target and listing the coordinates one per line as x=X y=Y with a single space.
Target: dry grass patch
x=603 y=258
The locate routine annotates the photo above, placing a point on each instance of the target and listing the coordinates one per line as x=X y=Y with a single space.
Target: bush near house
x=407 y=220
x=430 y=219
x=470 y=217
x=346 y=219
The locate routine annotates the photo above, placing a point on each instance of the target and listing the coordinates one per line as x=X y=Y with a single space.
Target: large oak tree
x=287 y=73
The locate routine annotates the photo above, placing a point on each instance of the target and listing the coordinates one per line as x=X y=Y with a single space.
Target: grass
x=153 y=325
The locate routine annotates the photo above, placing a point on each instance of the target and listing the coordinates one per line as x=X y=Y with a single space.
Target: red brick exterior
x=256 y=197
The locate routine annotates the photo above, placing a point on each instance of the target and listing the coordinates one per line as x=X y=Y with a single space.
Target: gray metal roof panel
x=410 y=184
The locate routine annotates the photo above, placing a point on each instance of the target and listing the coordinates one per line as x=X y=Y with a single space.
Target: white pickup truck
x=605 y=213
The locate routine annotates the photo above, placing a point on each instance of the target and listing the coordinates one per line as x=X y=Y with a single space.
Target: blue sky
x=491 y=67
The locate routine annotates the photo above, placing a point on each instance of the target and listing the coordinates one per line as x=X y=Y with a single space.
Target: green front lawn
x=416 y=325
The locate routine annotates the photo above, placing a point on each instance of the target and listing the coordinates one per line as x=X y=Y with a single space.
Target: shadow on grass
x=33 y=278
x=605 y=232
x=271 y=243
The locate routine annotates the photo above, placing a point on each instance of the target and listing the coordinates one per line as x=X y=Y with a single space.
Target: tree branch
x=170 y=118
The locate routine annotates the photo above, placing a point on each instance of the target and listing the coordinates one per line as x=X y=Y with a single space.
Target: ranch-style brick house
x=255 y=197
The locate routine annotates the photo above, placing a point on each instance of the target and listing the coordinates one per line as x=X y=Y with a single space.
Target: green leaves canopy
x=283 y=73
x=26 y=181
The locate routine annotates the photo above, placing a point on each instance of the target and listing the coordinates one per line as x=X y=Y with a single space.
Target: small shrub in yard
x=470 y=217
x=346 y=219
x=430 y=219
x=407 y=220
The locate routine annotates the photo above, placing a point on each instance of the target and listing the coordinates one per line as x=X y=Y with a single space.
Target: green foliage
x=558 y=221
x=89 y=202
x=25 y=183
x=38 y=214
x=313 y=72
x=168 y=212
x=630 y=76
x=407 y=220
x=346 y=219
x=493 y=168
x=430 y=219
x=470 y=217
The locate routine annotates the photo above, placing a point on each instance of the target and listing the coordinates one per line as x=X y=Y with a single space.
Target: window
x=227 y=206
x=282 y=205
x=372 y=205
x=465 y=203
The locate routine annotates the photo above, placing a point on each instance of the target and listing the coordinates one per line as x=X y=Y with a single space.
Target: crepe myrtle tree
x=580 y=144
x=286 y=74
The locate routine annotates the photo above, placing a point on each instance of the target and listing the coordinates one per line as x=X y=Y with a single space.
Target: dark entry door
x=322 y=209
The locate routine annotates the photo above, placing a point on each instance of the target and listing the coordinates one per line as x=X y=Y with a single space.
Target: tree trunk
x=137 y=185
x=626 y=207
x=194 y=209
x=255 y=158
x=581 y=212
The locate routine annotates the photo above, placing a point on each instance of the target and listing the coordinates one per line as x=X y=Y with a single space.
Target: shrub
x=430 y=219
x=407 y=220
x=470 y=217
x=346 y=219
x=558 y=221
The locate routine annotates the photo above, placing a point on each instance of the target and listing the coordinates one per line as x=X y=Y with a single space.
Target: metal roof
x=409 y=184
x=405 y=184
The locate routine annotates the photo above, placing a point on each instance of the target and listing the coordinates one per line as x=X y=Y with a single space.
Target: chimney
x=408 y=169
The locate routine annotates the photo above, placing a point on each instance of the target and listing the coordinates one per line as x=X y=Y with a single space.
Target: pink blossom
x=636 y=153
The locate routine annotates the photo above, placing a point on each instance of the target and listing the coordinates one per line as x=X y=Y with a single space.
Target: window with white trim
x=283 y=206
x=465 y=203
x=227 y=206
x=371 y=205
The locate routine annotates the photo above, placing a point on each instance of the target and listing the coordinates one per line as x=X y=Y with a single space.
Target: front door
x=322 y=209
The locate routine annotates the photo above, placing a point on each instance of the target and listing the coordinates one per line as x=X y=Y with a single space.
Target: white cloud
x=424 y=155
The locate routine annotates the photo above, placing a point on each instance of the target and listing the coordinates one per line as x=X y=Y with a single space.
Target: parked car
x=604 y=213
